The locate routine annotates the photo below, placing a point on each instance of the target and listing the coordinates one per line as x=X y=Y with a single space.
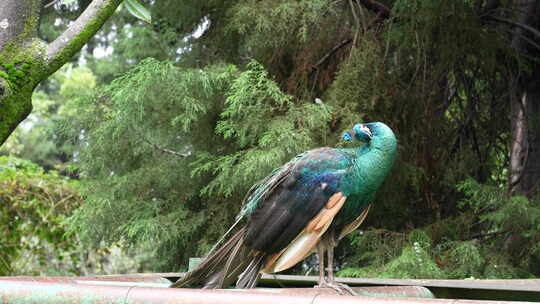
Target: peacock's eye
x=366 y=130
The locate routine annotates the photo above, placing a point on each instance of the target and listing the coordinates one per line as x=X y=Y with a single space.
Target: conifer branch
x=526 y=27
x=491 y=5
x=331 y=52
x=382 y=11
x=79 y=32
x=383 y=232
x=357 y=21
x=487 y=235
x=163 y=149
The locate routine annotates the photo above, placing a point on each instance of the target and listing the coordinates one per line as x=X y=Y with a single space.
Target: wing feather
x=306 y=241
x=280 y=207
x=354 y=224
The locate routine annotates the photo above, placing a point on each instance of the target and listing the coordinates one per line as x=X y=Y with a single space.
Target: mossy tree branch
x=80 y=32
x=26 y=60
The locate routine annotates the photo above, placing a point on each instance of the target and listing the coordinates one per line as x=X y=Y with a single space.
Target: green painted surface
x=424 y=293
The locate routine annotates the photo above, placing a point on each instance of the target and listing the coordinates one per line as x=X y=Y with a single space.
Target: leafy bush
x=33 y=207
x=495 y=236
x=172 y=151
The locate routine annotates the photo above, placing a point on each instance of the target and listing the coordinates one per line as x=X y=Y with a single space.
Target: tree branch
x=526 y=12
x=526 y=27
x=490 y=6
x=79 y=33
x=383 y=12
x=485 y=235
x=162 y=149
x=50 y=3
x=331 y=52
x=165 y=150
x=356 y=20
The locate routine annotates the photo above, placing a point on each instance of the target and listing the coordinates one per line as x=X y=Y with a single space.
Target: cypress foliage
x=168 y=150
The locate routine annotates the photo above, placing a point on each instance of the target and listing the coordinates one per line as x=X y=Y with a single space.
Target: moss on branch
x=25 y=60
x=79 y=33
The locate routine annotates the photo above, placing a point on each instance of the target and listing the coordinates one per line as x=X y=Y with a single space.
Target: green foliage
x=166 y=148
x=497 y=214
x=138 y=11
x=288 y=37
x=498 y=211
x=271 y=24
x=254 y=98
x=413 y=263
x=494 y=245
x=146 y=148
x=444 y=30
x=37 y=138
x=33 y=208
x=289 y=129
x=465 y=258
x=407 y=258
x=373 y=249
x=360 y=87
x=147 y=195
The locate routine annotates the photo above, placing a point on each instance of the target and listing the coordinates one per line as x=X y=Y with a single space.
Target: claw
x=339 y=287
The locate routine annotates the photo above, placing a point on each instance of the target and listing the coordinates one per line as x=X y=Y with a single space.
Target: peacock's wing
x=303 y=192
x=260 y=191
x=352 y=226
x=306 y=241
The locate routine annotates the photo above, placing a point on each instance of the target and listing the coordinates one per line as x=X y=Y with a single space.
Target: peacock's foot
x=339 y=287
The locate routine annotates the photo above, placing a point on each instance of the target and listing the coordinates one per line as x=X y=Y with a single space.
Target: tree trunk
x=520 y=144
x=19 y=51
x=26 y=60
x=531 y=170
x=18 y=17
x=525 y=111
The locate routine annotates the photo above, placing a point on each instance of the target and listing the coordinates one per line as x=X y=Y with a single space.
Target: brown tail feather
x=248 y=278
x=222 y=266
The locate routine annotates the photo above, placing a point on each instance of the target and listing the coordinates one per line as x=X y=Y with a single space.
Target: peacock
x=308 y=205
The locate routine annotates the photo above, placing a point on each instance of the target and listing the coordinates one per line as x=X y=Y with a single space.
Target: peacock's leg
x=320 y=255
x=326 y=244
x=330 y=253
x=331 y=281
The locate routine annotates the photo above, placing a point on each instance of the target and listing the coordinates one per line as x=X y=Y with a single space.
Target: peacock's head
x=360 y=132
